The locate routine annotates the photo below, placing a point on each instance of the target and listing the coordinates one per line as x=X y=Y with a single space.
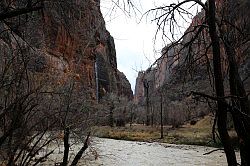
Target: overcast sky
x=134 y=39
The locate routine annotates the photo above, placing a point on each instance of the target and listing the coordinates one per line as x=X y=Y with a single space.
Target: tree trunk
x=111 y=115
x=161 y=118
x=146 y=86
x=240 y=105
x=131 y=116
x=66 y=147
x=81 y=151
x=219 y=87
x=152 y=115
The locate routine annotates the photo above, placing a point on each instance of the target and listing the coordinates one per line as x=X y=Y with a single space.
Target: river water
x=109 y=152
x=127 y=153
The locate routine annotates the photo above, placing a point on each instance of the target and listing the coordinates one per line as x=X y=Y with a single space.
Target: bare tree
x=146 y=87
x=167 y=16
x=33 y=103
x=162 y=134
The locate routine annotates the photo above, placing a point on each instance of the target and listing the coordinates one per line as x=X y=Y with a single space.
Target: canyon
x=59 y=83
x=65 y=41
x=182 y=69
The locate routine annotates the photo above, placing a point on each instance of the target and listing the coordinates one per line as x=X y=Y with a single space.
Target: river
x=127 y=153
x=109 y=152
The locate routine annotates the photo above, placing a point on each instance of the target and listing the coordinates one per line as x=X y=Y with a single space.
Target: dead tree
x=146 y=87
x=233 y=35
x=28 y=112
x=219 y=87
x=167 y=17
x=161 y=109
x=111 y=114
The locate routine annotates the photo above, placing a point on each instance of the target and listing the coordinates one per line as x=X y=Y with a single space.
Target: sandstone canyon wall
x=65 y=41
x=177 y=73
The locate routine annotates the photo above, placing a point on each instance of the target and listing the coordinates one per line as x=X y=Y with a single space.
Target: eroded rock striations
x=66 y=39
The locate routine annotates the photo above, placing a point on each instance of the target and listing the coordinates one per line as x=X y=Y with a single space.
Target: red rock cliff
x=171 y=70
x=69 y=40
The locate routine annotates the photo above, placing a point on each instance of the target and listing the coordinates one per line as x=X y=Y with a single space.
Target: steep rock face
x=176 y=66
x=145 y=80
x=69 y=40
x=139 y=88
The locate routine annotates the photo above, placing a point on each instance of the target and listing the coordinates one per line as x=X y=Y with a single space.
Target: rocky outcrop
x=139 y=88
x=67 y=39
x=181 y=70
